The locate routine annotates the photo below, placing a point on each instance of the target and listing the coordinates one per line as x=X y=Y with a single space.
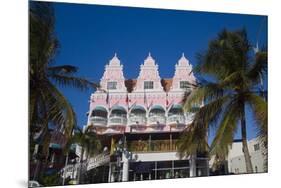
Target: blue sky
x=90 y=35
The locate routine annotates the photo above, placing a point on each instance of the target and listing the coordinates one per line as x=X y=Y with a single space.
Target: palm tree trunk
x=249 y=167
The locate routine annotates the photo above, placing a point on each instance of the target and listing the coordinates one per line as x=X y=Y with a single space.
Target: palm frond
x=60 y=110
x=206 y=92
x=43 y=43
x=211 y=113
x=193 y=140
x=226 y=130
x=38 y=111
x=62 y=70
x=195 y=136
x=72 y=81
x=227 y=53
x=259 y=68
x=260 y=110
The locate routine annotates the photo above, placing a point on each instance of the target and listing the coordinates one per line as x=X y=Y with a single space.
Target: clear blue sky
x=90 y=34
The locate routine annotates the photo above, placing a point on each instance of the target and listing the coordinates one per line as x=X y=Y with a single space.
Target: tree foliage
x=47 y=103
x=233 y=85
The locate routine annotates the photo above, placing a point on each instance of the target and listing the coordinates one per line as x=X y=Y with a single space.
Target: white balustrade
x=117 y=121
x=176 y=119
x=157 y=120
x=98 y=121
x=137 y=120
x=189 y=118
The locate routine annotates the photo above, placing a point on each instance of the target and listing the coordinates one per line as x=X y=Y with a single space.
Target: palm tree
x=232 y=87
x=89 y=142
x=47 y=105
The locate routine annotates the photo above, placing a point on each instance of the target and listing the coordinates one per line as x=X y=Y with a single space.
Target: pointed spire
x=149 y=60
x=114 y=60
x=183 y=61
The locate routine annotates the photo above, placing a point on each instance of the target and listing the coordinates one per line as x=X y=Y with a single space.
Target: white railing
x=176 y=119
x=117 y=121
x=98 y=160
x=137 y=120
x=70 y=170
x=157 y=120
x=98 y=121
x=189 y=118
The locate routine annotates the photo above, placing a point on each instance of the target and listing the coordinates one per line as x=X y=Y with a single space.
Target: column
x=173 y=169
x=109 y=173
x=171 y=142
x=207 y=166
x=192 y=165
x=149 y=142
x=155 y=170
x=125 y=173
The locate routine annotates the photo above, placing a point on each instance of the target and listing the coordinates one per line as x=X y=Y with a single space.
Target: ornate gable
x=113 y=78
x=183 y=74
x=149 y=72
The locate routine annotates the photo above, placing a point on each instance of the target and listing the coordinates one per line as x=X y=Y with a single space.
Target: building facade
x=236 y=160
x=139 y=122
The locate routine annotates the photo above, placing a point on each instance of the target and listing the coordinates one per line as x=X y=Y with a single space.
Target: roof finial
x=115 y=54
x=182 y=54
x=149 y=54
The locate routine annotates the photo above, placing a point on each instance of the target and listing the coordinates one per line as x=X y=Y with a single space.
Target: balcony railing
x=176 y=120
x=157 y=120
x=189 y=118
x=117 y=121
x=98 y=121
x=137 y=120
x=121 y=120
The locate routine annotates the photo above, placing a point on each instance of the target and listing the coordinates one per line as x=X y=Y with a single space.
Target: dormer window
x=148 y=84
x=111 y=85
x=184 y=85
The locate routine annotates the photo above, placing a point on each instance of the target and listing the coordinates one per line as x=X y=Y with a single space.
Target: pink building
x=146 y=115
x=146 y=104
